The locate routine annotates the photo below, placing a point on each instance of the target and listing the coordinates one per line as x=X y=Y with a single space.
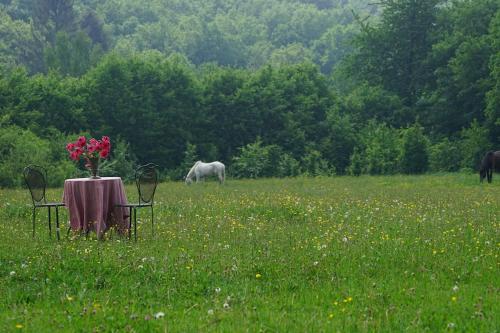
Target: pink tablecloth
x=91 y=204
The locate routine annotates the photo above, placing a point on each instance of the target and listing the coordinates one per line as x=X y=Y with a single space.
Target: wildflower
x=12 y=273
x=451 y=325
x=217 y=290
x=258 y=276
x=69 y=298
x=226 y=305
x=330 y=315
x=454 y=299
x=159 y=315
x=210 y=312
x=455 y=288
x=315 y=263
x=19 y=326
x=345 y=239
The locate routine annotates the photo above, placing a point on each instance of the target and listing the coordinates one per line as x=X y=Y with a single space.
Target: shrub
x=444 y=156
x=252 y=161
x=414 y=150
x=19 y=148
x=313 y=164
x=474 y=145
x=382 y=149
x=356 y=165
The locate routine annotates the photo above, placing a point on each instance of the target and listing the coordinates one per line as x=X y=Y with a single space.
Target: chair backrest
x=146 y=179
x=36 y=179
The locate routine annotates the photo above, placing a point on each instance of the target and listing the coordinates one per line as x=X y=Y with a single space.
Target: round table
x=91 y=204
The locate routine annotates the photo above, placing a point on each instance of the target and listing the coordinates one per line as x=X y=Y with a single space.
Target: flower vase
x=93 y=166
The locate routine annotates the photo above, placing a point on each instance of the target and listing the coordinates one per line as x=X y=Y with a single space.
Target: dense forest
x=272 y=88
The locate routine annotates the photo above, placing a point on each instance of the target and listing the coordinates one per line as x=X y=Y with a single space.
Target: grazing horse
x=200 y=170
x=490 y=162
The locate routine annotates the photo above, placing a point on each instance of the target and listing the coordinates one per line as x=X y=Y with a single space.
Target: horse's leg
x=222 y=177
x=490 y=175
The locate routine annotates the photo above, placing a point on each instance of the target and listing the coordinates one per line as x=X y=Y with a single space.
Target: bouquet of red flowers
x=89 y=150
x=92 y=151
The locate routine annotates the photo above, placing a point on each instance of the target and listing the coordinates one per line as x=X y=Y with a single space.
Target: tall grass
x=311 y=255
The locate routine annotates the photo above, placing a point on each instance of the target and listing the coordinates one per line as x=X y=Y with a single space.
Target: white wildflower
x=159 y=315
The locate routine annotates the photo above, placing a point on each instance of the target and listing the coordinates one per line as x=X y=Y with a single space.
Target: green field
x=401 y=253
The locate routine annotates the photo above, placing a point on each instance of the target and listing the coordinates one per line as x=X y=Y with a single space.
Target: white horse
x=200 y=170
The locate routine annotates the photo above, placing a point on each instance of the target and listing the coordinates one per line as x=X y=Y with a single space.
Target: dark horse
x=490 y=161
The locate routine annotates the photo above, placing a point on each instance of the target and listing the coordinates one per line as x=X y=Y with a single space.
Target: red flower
x=79 y=151
x=81 y=141
x=104 y=153
x=74 y=156
x=93 y=145
x=70 y=146
x=90 y=148
x=105 y=143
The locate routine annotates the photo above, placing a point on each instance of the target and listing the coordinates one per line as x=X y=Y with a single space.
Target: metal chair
x=146 y=180
x=36 y=179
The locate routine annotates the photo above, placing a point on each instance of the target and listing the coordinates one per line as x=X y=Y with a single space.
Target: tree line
x=416 y=90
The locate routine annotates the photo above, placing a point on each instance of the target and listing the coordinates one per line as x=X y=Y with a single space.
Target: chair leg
x=57 y=223
x=129 y=222
x=33 y=219
x=152 y=222
x=135 y=224
x=50 y=223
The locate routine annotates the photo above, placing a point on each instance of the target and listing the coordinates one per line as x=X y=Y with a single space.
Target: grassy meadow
x=342 y=254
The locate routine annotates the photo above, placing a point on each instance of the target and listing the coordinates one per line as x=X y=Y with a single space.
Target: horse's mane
x=191 y=171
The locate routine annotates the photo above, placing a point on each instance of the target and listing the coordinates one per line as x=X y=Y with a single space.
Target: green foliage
x=20 y=148
x=356 y=165
x=414 y=150
x=236 y=33
x=161 y=83
x=365 y=102
x=287 y=166
x=121 y=161
x=252 y=161
x=445 y=156
x=190 y=157
x=17 y=44
x=313 y=164
x=493 y=95
x=72 y=55
x=382 y=149
x=474 y=145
